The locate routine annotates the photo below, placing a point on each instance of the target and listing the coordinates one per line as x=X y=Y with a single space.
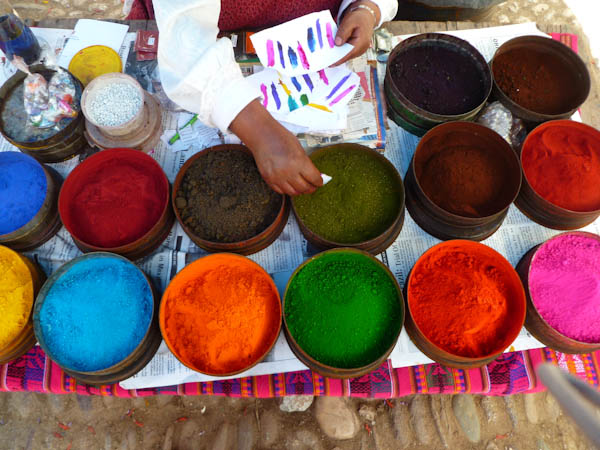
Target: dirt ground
x=519 y=422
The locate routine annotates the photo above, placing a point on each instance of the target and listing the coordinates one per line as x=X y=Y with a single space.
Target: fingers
x=359 y=37
x=344 y=32
x=312 y=175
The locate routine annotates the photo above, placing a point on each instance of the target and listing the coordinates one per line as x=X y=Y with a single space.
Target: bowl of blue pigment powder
x=95 y=315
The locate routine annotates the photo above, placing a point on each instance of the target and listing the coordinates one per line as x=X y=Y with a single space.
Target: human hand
x=280 y=158
x=357 y=28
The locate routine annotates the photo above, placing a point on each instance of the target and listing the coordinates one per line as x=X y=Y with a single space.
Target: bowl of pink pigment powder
x=562 y=282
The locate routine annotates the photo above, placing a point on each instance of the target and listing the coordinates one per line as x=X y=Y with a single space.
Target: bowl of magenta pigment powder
x=562 y=280
x=117 y=201
x=561 y=168
x=343 y=312
x=95 y=314
x=434 y=78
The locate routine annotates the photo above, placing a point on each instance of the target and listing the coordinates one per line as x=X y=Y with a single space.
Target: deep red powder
x=113 y=198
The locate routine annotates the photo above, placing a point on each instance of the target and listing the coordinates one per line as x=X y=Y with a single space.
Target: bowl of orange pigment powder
x=221 y=314
x=466 y=304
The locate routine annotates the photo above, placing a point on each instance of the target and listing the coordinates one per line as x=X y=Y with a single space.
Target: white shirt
x=198 y=71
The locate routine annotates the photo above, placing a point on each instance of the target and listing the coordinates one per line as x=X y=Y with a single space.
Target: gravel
x=115 y=104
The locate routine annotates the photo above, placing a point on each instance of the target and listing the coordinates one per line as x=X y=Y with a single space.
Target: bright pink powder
x=564 y=282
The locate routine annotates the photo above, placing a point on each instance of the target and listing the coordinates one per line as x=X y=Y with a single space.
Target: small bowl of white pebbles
x=114 y=102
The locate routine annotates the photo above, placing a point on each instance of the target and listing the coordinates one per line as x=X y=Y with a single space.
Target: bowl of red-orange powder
x=561 y=168
x=117 y=201
x=221 y=314
x=466 y=304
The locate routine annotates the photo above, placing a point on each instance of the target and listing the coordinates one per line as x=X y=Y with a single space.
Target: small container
x=429 y=348
x=80 y=176
x=96 y=85
x=247 y=247
x=25 y=340
x=378 y=243
x=233 y=263
x=562 y=61
x=128 y=366
x=46 y=222
x=444 y=224
x=538 y=208
x=91 y=62
x=328 y=370
x=47 y=146
x=416 y=119
x=535 y=323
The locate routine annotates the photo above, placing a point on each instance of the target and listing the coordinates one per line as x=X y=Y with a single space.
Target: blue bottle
x=17 y=39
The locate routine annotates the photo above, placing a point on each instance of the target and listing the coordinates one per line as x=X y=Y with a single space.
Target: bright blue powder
x=96 y=313
x=22 y=190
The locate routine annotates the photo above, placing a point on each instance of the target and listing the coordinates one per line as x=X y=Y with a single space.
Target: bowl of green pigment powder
x=361 y=207
x=343 y=312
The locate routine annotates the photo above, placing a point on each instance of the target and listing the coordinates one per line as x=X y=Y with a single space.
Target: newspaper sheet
x=513 y=239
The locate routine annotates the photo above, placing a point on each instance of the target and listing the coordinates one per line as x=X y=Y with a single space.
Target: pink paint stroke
x=303 y=58
x=329 y=32
x=263 y=89
x=342 y=95
x=323 y=76
x=270 y=53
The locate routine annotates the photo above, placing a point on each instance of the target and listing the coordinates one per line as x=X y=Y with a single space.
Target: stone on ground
x=336 y=417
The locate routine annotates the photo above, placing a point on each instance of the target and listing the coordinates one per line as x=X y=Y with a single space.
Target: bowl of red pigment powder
x=434 y=78
x=466 y=304
x=221 y=314
x=561 y=168
x=539 y=79
x=461 y=181
x=117 y=201
x=562 y=283
x=223 y=203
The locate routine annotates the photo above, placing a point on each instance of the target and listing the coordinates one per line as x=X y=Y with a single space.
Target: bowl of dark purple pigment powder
x=223 y=203
x=539 y=79
x=562 y=282
x=461 y=181
x=434 y=78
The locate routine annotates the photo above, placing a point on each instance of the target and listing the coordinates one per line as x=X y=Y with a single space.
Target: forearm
x=254 y=126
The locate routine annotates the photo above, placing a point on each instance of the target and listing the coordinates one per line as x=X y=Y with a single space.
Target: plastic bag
x=497 y=117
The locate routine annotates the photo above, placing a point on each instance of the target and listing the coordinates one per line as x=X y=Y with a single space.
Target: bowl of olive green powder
x=361 y=207
x=343 y=312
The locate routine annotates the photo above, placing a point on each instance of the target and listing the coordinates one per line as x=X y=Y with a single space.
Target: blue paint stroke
x=296 y=84
x=310 y=39
x=308 y=82
x=337 y=86
x=280 y=48
x=275 y=96
x=319 y=35
x=293 y=57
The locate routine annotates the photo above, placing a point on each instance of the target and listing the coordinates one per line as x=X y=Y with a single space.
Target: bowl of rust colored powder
x=539 y=79
x=561 y=167
x=118 y=201
x=95 y=316
x=221 y=314
x=223 y=203
x=361 y=207
x=343 y=312
x=461 y=181
x=434 y=78
x=466 y=304
x=562 y=283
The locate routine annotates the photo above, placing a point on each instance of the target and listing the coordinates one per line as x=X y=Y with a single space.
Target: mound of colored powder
x=96 y=313
x=466 y=298
x=343 y=310
x=564 y=284
x=220 y=314
x=16 y=295
x=359 y=203
x=22 y=190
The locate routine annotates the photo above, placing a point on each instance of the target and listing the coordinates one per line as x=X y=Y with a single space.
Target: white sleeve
x=388 y=9
x=197 y=70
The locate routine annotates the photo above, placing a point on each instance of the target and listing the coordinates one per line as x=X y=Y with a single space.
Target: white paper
x=90 y=32
x=294 y=47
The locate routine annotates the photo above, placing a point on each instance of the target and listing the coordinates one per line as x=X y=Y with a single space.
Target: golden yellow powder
x=16 y=295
